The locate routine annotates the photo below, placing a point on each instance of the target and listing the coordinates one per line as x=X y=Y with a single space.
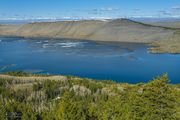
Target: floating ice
x=45 y=45
x=22 y=40
x=39 y=42
x=69 y=44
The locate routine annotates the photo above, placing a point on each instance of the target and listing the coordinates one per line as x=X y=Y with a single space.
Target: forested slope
x=39 y=97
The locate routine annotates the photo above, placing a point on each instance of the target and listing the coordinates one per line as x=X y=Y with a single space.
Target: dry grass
x=33 y=78
x=168 y=45
x=22 y=83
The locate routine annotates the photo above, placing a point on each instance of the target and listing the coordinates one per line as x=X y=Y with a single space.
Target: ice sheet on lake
x=69 y=44
x=45 y=45
x=39 y=42
x=60 y=44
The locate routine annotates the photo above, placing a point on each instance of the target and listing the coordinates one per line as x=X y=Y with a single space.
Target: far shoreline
x=149 y=45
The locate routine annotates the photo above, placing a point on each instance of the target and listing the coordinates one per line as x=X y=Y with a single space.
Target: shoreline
x=152 y=47
x=24 y=76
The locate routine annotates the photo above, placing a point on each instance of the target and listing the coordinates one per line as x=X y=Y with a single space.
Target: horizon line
x=90 y=18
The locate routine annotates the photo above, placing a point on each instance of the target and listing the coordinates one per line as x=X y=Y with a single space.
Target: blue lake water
x=122 y=62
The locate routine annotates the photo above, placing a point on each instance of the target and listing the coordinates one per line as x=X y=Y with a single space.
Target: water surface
x=122 y=62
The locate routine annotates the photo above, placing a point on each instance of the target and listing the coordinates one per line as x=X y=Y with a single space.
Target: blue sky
x=30 y=9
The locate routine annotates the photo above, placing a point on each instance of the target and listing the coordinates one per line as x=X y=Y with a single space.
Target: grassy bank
x=36 y=97
x=167 y=45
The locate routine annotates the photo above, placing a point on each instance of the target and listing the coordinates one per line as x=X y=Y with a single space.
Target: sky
x=84 y=9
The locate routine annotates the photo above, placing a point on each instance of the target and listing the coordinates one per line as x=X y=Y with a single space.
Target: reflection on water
x=123 y=62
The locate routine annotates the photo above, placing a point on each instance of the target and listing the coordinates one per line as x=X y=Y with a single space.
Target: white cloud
x=176 y=8
x=165 y=13
x=109 y=9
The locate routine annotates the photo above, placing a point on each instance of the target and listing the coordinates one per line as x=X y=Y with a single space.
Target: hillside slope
x=112 y=30
x=121 y=30
x=174 y=24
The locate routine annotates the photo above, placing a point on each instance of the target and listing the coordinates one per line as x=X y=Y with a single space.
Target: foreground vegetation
x=39 y=97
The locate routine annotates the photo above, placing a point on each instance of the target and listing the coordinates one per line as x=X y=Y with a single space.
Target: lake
x=122 y=62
